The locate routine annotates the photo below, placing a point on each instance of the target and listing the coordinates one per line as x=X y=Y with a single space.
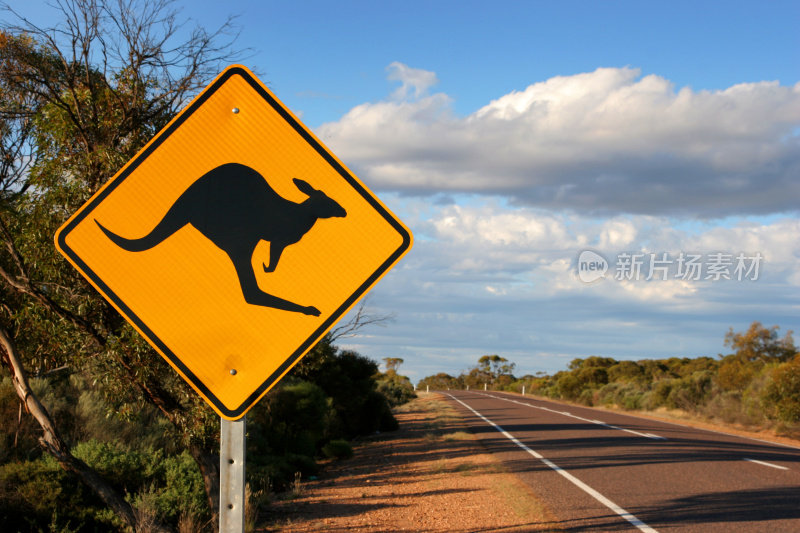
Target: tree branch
x=360 y=320
x=22 y=283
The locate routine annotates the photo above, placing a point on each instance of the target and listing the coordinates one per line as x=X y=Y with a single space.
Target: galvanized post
x=231 y=475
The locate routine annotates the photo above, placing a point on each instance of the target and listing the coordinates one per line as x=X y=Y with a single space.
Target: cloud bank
x=503 y=201
x=605 y=142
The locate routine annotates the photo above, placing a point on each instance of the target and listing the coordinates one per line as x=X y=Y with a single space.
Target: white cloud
x=501 y=227
x=520 y=254
x=658 y=291
x=608 y=141
x=617 y=234
x=414 y=82
x=495 y=290
x=780 y=240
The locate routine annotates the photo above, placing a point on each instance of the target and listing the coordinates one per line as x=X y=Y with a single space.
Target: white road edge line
x=779 y=467
x=577 y=482
x=565 y=413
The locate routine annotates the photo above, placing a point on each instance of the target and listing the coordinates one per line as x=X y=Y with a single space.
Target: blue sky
x=512 y=136
x=337 y=51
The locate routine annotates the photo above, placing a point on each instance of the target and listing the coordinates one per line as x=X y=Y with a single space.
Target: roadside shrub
x=396 y=389
x=607 y=394
x=632 y=401
x=35 y=495
x=586 y=397
x=568 y=387
x=278 y=471
x=295 y=419
x=626 y=395
x=169 y=485
x=338 y=449
x=654 y=370
x=781 y=397
x=378 y=415
x=182 y=492
x=734 y=375
x=731 y=408
x=661 y=392
x=648 y=401
x=592 y=376
x=95 y=419
x=690 y=393
x=348 y=379
x=127 y=469
x=440 y=381
x=625 y=371
x=285 y=432
x=548 y=389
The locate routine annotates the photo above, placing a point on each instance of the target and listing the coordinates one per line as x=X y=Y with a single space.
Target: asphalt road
x=603 y=471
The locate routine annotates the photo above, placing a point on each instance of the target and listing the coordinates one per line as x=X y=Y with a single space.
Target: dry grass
x=458 y=435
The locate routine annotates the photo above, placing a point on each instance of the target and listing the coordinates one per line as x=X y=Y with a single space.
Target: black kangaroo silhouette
x=235 y=208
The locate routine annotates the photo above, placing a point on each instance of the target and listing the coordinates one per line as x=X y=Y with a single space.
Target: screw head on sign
x=235 y=110
x=233 y=371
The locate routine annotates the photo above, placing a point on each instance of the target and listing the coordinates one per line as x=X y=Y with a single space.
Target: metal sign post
x=231 y=475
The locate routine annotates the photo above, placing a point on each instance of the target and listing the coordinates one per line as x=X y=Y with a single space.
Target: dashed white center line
x=779 y=467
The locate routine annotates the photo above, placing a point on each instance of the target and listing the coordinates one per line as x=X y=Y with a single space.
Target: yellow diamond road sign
x=233 y=241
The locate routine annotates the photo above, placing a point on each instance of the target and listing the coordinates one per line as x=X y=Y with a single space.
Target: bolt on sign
x=233 y=241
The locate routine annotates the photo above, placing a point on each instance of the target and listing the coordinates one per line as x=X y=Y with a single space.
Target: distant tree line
x=756 y=385
x=492 y=372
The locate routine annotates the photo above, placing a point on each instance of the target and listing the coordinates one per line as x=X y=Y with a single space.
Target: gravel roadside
x=429 y=476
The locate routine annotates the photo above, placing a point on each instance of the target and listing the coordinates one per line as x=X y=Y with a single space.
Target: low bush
x=396 y=389
x=338 y=449
x=39 y=495
x=586 y=397
x=781 y=396
x=691 y=393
